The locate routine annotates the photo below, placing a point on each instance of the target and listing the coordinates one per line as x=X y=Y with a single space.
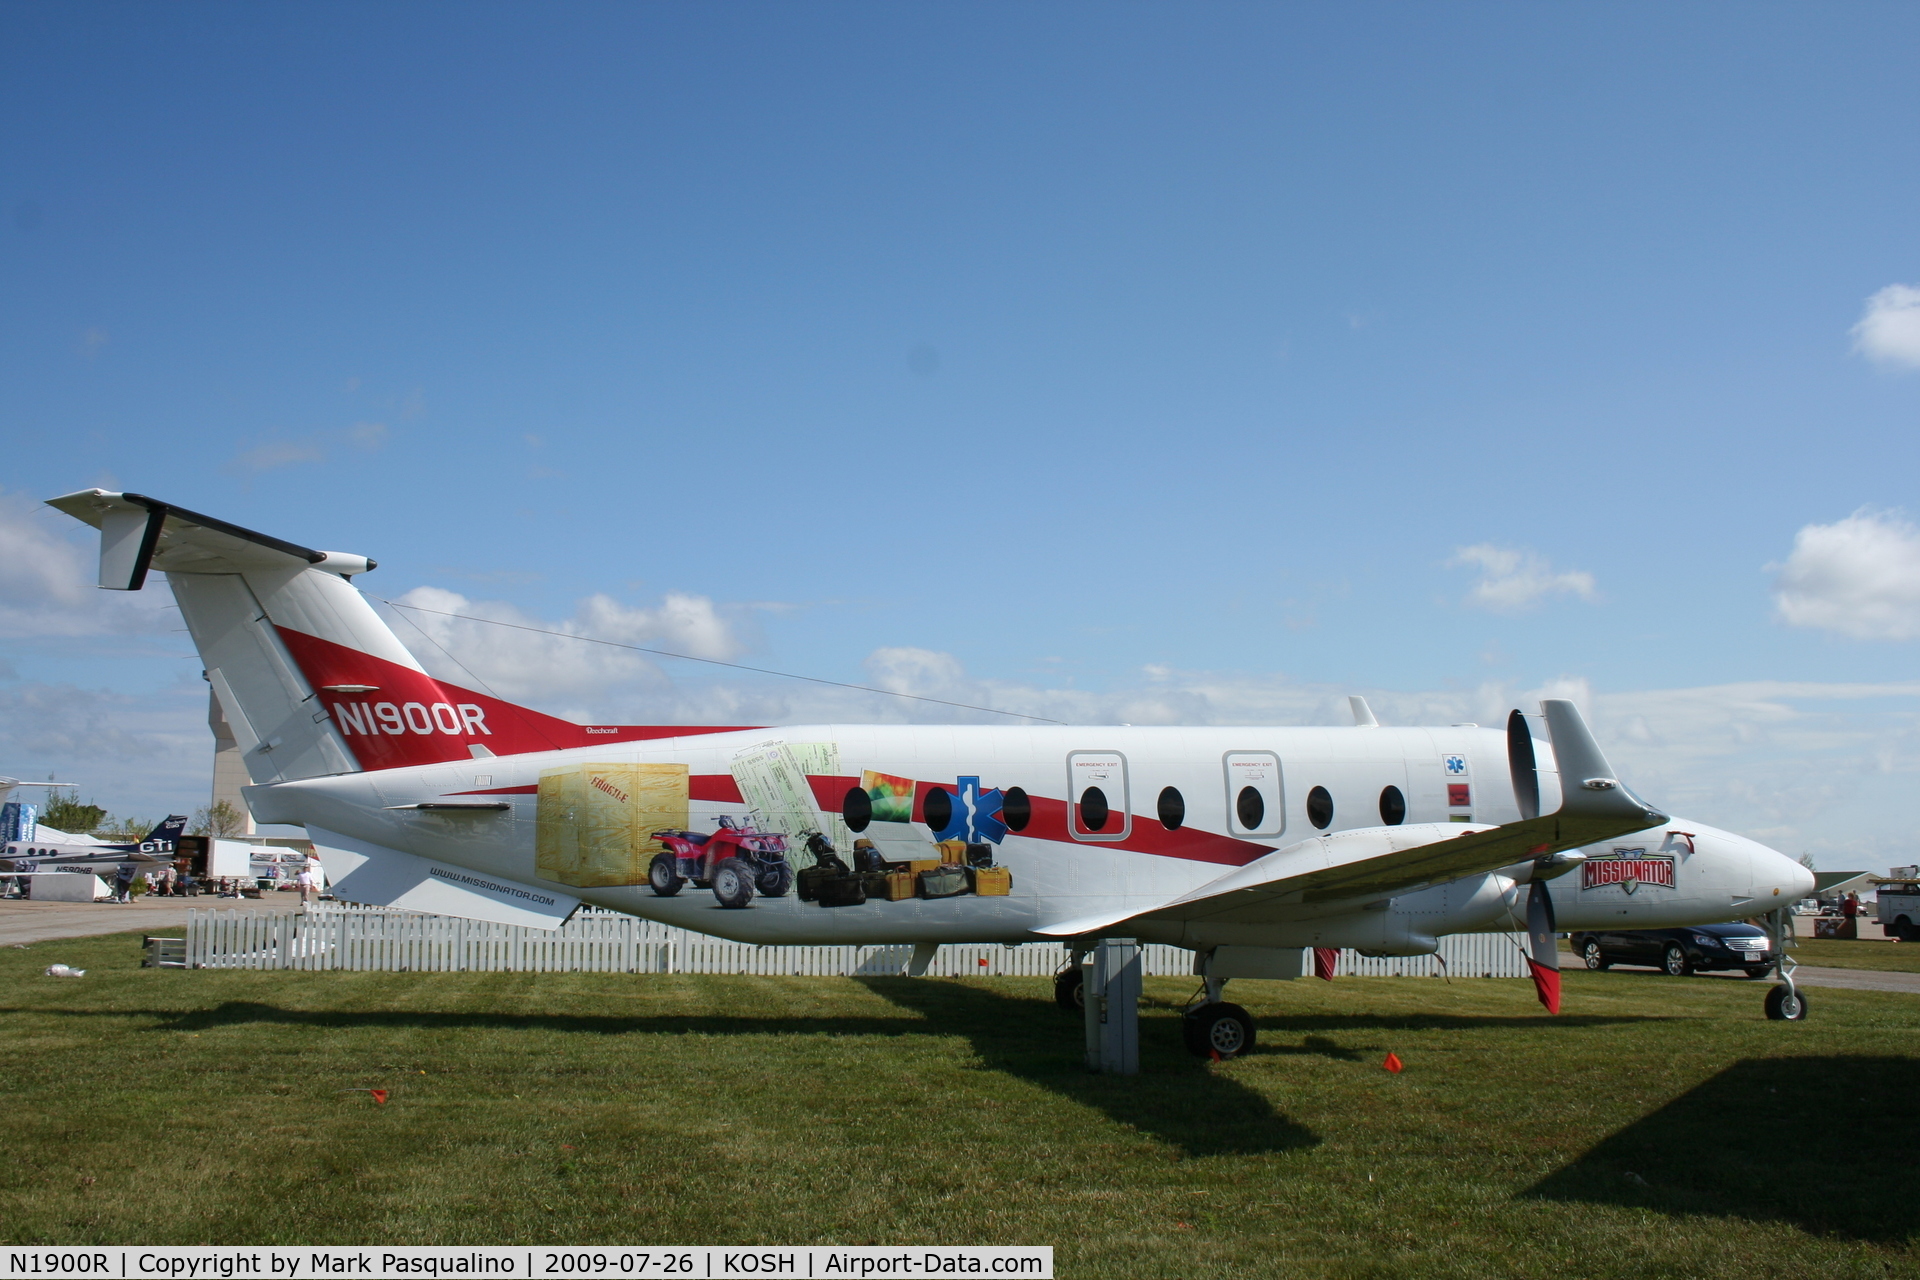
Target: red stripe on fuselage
x=409 y=718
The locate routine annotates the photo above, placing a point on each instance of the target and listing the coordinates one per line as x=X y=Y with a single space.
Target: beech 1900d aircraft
x=1243 y=844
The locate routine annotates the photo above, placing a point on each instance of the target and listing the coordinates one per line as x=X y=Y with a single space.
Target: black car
x=1695 y=949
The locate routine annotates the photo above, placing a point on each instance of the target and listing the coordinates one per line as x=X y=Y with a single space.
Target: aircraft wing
x=1380 y=862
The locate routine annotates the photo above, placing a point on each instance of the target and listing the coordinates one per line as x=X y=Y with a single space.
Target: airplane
x=52 y=850
x=1241 y=844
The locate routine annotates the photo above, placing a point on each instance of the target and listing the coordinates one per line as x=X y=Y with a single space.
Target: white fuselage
x=1680 y=873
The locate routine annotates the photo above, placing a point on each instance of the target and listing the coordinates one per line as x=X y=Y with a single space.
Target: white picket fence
x=326 y=936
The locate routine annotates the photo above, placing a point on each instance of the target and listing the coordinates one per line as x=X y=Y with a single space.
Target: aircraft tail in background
x=309 y=676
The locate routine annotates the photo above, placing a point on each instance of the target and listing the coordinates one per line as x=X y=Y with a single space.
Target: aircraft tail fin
x=309 y=676
x=169 y=830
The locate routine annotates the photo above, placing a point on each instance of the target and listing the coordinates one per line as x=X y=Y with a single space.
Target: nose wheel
x=1786 y=1002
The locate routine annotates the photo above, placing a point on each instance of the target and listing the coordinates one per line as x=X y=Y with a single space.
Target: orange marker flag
x=1324 y=959
x=379 y=1096
x=1393 y=1063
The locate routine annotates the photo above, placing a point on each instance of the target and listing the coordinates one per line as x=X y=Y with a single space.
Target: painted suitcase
x=899 y=886
x=943 y=882
x=954 y=851
x=843 y=891
x=991 y=882
x=980 y=855
x=807 y=881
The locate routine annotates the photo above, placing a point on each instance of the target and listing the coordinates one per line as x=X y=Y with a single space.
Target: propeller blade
x=1544 y=958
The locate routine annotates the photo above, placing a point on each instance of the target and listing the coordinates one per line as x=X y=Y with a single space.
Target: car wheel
x=1760 y=973
x=1675 y=962
x=1786 y=1004
x=664 y=875
x=1903 y=930
x=1594 y=958
x=775 y=880
x=733 y=883
x=1070 y=989
x=1219 y=1028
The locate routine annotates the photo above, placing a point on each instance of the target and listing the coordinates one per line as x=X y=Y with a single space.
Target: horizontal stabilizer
x=139 y=534
x=380 y=877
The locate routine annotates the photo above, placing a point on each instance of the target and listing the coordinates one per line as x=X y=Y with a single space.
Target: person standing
x=123 y=883
x=306 y=883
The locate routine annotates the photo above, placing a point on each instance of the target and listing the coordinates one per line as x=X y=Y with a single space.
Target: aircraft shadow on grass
x=1824 y=1143
x=1177 y=1101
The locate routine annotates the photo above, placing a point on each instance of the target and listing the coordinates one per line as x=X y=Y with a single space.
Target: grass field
x=1656 y=1127
x=1840 y=953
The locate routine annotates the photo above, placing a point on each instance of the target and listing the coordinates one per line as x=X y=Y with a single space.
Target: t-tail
x=309 y=676
x=167 y=834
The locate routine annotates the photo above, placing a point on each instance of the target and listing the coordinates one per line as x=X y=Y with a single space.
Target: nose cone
x=1775 y=875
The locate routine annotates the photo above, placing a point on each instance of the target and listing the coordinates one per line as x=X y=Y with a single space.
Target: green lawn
x=1838 y=953
x=1656 y=1127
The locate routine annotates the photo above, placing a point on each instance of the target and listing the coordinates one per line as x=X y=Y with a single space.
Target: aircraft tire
x=1782 y=1009
x=1675 y=963
x=733 y=883
x=664 y=875
x=1220 y=1028
x=1070 y=989
x=774 y=881
x=1595 y=960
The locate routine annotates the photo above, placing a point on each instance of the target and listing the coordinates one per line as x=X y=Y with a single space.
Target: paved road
x=1806 y=974
x=22 y=922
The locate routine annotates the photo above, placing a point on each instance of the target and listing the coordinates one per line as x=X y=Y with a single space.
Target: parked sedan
x=1697 y=949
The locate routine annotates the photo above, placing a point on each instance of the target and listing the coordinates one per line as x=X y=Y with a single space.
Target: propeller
x=1544 y=958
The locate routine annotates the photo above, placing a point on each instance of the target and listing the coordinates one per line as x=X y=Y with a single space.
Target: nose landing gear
x=1785 y=1003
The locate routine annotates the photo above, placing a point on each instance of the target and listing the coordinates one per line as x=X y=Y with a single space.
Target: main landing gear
x=1102 y=982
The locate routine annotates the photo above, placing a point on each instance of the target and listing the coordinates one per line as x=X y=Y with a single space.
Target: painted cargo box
x=595 y=822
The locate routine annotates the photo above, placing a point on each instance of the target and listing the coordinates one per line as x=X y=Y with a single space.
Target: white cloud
x=1513 y=579
x=1859 y=576
x=535 y=668
x=48 y=567
x=274 y=454
x=1889 y=330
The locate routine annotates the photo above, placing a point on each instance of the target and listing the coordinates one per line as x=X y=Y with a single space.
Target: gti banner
x=677 y=1262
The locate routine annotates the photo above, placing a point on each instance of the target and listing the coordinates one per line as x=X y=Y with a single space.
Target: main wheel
x=1903 y=930
x=1675 y=962
x=663 y=873
x=1221 y=1028
x=1070 y=989
x=774 y=880
x=1593 y=957
x=1786 y=1004
x=733 y=883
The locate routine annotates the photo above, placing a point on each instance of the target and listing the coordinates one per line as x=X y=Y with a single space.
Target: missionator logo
x=1628 y=868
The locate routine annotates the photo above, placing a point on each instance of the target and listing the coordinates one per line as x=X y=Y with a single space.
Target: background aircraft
x=52 y=850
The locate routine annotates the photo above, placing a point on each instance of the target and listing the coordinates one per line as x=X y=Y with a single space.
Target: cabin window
x=857 y=809
x=938 y=809
x=1173 y=808
x=1320 y=808
x=1093 y=810
x=1016 y=809
x=1250 y=807
x=1393 y=807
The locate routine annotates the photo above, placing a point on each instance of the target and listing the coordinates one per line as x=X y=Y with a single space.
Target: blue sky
x=1158 y=361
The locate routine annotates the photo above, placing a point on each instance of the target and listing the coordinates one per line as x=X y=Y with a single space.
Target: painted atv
x=733 y=861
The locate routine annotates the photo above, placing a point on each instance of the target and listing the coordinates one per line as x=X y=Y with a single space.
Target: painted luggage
x=899 y=886
x=943 y=882
x=843 y=891
x=807 y=881
x=991 y=882
x=917 y=865
x=954 y=851
x=979 y=855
